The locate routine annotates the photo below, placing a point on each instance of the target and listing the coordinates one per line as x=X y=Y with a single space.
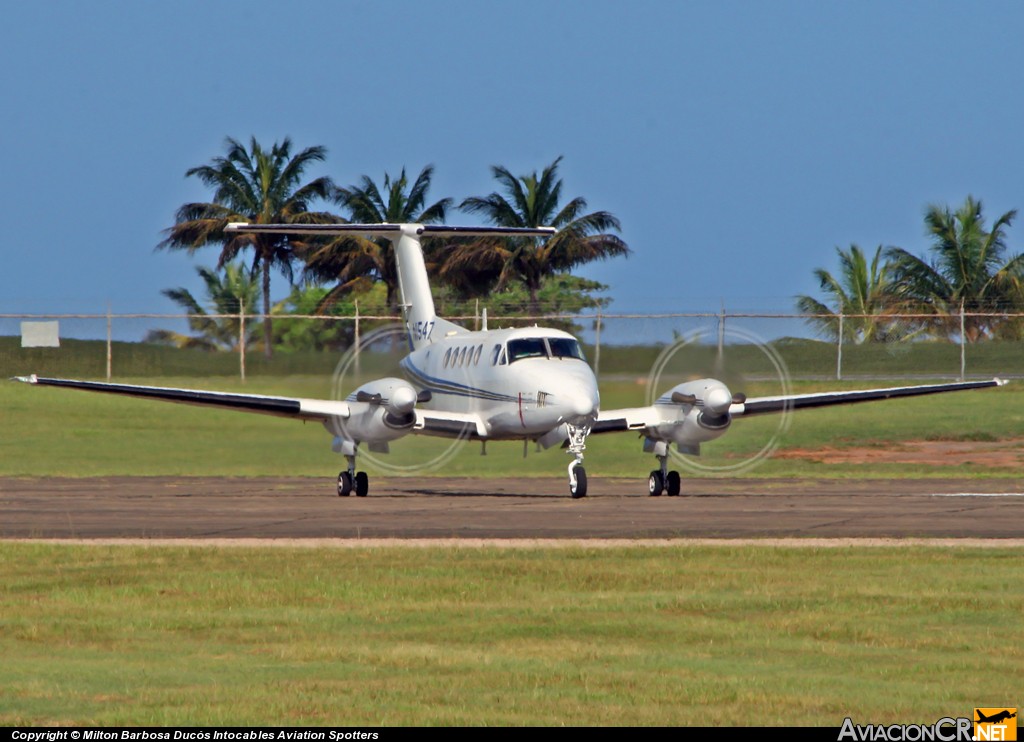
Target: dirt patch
x=1005 y=454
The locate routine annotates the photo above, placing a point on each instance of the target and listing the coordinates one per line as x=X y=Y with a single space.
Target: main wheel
x=344 y=484
x=656 y=483
x=672 y=484
x=362 y=484
x=579 y=489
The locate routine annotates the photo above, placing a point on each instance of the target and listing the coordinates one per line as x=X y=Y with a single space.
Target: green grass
x=60 y=432
x=667 y=636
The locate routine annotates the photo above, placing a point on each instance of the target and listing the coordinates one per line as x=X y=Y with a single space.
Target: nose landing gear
x=577 y=474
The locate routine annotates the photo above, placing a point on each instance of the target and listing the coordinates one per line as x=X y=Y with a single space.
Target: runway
x=209 y=509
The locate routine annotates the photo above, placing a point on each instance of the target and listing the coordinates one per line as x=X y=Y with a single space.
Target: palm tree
x=860 y=289
x=228 y=294
x=254 y=186
x=968 y=272
x=532 y=201
x=348 y=259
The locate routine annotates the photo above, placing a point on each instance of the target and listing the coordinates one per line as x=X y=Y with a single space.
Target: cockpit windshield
x=565 y=348
x=521 y=348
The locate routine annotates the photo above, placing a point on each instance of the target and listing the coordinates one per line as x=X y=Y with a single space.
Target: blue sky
x=739 y=142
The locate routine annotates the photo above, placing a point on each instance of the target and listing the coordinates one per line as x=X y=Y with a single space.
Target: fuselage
x=522 y=382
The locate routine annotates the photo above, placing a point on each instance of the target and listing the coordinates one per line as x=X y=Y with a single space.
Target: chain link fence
x=626 y=345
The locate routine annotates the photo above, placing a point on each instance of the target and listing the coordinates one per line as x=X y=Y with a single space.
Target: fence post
x=721 y=336
x=963 y=341
x=597 y=344
x=241 y=338
x=839 y=351
x=109 y=350
x=355 y=341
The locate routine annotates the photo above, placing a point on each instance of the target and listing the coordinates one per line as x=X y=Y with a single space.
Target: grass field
x=672 y=636
x=664 y=636
x=58 y=432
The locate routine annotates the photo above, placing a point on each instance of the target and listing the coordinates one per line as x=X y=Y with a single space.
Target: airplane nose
x=582 y=402
x=582 y=405
x=718 y=401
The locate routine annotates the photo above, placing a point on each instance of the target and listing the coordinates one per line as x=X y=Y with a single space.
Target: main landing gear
x=663 y=481
x=351 y=479
x=577 y=474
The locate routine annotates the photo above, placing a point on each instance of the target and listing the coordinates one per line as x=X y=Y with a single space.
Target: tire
x=344 y=484
x=362 y=484
x=672 y=484
x=579 y=489
x=655 y=484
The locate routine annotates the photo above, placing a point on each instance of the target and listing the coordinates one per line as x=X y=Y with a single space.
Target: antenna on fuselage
x=483 y=320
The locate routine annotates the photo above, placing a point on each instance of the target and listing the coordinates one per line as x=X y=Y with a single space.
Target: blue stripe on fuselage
x=446 y=386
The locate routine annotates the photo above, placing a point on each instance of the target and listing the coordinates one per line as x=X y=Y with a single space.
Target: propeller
x=401 y=402
x=423 y=396
x=699 y=372
x=680 y=398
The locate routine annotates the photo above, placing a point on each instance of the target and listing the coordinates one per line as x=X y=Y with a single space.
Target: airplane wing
x=295 y=407
x=761 y=405
x=639 y=418
x=428 y=422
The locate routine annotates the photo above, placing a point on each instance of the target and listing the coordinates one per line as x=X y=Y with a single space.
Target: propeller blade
x=680 y=398
x=424 y=396
x=367 y=397
x=739 y=398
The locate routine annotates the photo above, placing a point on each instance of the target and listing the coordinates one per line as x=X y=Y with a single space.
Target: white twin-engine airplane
x=508 y=384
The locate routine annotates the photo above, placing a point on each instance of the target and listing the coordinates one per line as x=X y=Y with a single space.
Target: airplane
x=526 y=384
x=995 y=718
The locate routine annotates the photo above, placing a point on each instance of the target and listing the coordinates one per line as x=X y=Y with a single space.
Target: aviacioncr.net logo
x=946 y=729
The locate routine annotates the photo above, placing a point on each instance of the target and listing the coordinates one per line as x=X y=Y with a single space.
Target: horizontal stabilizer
x=390 y=230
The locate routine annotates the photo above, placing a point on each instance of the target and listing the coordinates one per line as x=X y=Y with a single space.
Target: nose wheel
x=577 y=481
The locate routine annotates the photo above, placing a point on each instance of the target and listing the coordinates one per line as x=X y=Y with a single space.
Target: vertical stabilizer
x=421 y=321
x=423 y=324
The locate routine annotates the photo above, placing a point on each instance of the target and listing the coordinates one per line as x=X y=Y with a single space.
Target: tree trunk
x=534 y=301
x=268 y=349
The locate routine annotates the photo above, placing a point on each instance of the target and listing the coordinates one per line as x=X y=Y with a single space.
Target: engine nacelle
x=382 y=410
x=693 y=412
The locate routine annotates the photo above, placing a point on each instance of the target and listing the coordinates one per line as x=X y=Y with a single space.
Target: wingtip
x=1001 y=382
x=30 y=379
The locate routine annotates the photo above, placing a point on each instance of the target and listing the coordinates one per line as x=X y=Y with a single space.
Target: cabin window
x=447 y=357
x=476 y=356
x=462 y=356
x=494 y=355
x=565 y=348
